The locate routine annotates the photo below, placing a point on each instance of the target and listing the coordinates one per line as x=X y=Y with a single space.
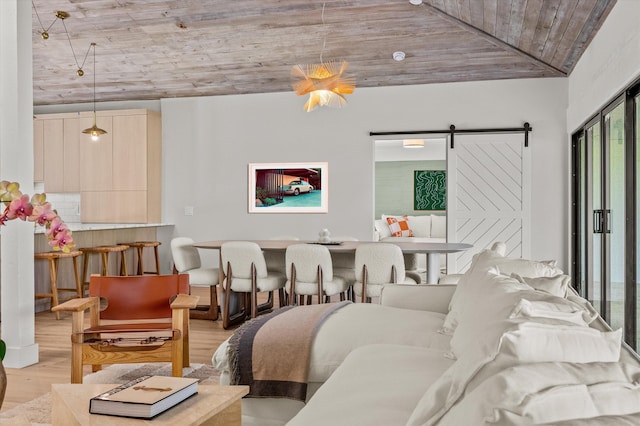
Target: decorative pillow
x=382 y=227
x=571 y=313
x=482 y=262
x=420 y=225
x=438 y=226
x=553 y=342
x=399 y=227
x=557 y=285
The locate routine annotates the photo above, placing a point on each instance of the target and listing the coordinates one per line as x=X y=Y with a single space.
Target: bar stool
x=104 y=252
x=53 y=258
x=140 y=246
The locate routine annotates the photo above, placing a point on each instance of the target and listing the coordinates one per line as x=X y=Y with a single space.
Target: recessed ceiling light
x=398 y=56
x=413 y=143
x=415 y=2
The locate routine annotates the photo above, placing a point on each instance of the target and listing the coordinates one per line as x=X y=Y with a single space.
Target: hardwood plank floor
x=53 y=339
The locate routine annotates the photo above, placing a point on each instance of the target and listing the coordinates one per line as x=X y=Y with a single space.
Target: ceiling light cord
x=324 y=40
x=73 y=51
x=94 y=76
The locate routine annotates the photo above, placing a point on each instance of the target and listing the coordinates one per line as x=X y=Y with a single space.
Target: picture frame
x=430 y=190
x=288 y=187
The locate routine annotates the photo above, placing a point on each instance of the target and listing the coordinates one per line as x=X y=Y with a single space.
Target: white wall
x=208 y=142
x=611 y=62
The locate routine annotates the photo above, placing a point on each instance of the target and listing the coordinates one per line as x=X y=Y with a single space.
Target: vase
x=3 y=383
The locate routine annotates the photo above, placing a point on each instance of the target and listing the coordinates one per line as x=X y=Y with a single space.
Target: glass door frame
x=631 y=226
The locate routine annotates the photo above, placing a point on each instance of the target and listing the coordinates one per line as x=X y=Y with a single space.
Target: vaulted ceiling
x=152 y=49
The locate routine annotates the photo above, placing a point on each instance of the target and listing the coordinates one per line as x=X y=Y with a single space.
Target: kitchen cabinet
x=121 y=178
x=118 y=176
x=56 y=152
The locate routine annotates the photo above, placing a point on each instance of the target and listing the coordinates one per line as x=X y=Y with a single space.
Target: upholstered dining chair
x=186 y=260
x=246 y=272
x=139 y=318
x=310 y=272
x=377 y=265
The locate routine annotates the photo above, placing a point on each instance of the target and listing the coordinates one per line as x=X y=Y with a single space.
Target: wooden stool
x=140 y=246
x=54 y=257
x=104 y=252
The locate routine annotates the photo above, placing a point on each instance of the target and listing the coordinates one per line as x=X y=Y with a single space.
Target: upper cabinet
x=56 y=152
x=118 y=176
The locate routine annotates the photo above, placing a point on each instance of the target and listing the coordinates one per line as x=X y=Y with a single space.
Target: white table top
x=349 y=246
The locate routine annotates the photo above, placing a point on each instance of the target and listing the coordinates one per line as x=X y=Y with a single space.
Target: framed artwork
x=429 y=190
x=288 y=188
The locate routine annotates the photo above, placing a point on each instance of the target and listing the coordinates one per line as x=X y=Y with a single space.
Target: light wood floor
x=53 y=339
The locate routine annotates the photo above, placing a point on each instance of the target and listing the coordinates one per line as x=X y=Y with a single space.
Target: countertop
x=78 y=226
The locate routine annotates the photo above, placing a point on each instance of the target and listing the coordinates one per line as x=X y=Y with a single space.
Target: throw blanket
x=271 y=352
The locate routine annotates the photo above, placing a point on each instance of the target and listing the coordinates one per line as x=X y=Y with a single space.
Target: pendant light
x=94 y=131
x=326 y=83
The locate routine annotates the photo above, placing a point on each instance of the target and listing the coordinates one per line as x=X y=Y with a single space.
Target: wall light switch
x=188 y=211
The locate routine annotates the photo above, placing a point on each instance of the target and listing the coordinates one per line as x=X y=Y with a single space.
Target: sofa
x=510 y=344
x=425 y=229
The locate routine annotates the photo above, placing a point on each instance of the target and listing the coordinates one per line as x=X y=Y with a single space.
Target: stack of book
x=145 y=397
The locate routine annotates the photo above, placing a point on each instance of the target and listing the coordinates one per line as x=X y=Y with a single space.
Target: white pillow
x=438 y=226
x=382 y=227
x=571 y=313
x=549 y=393
x=482 y=307
x=482 y=262
x=537 y=341
x=557 y=285
x=420 y=225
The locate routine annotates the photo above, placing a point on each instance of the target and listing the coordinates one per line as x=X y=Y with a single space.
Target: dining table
x=432 y=250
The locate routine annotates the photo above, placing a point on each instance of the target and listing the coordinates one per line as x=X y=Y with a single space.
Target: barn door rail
x=452 y=131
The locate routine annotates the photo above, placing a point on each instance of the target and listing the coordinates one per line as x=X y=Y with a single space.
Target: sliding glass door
x=600 y=215
x=613 y=226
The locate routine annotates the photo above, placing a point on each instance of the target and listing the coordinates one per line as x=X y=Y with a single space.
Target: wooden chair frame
x=250 y=307
x=320 y=280
x=87 y=350
x=363 y=296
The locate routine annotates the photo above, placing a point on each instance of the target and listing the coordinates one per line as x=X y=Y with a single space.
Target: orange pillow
x=399 y=227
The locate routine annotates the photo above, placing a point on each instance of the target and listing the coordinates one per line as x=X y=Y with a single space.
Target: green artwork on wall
x=429 y=190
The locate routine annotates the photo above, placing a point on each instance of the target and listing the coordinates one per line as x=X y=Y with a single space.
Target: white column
x=16 y=164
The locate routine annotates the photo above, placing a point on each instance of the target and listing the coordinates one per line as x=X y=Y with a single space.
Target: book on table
x=145 y=397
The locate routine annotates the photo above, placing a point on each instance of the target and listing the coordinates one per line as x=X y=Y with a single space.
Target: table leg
x=433 y=268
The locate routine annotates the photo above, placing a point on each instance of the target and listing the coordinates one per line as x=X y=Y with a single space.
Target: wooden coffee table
x=213 y=405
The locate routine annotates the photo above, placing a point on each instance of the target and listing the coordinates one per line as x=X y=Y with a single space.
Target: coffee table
x=213 y=405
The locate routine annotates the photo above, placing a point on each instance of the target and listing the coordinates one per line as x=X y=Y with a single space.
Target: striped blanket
x=271 y=352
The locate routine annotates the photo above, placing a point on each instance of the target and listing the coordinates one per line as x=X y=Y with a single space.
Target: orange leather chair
x=141 y=318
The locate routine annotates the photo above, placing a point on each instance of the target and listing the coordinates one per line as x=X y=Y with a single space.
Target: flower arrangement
x=37 y=210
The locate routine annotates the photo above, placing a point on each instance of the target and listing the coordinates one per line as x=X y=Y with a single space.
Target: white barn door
x=488 y=195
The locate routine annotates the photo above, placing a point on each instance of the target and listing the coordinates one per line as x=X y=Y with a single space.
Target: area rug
x=38 y=411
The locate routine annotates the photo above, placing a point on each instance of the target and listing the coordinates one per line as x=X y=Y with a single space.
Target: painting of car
x=296 y=187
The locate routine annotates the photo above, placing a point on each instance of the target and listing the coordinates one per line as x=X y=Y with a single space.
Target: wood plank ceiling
x=152 y=49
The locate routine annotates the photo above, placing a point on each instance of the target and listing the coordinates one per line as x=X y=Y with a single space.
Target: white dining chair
x=186 y=260
x=377 y=265
x=246 y=272
x=310 y=272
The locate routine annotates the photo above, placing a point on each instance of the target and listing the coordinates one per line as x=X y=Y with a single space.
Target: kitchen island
x=91 y=235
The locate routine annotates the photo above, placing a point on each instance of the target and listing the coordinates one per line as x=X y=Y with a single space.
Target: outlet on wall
x=188 y=211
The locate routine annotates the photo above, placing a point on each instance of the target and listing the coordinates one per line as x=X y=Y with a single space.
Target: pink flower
x=62 y=241
x=42 y=214
x=56 y=226
x=37 y=210
x=20 y=208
